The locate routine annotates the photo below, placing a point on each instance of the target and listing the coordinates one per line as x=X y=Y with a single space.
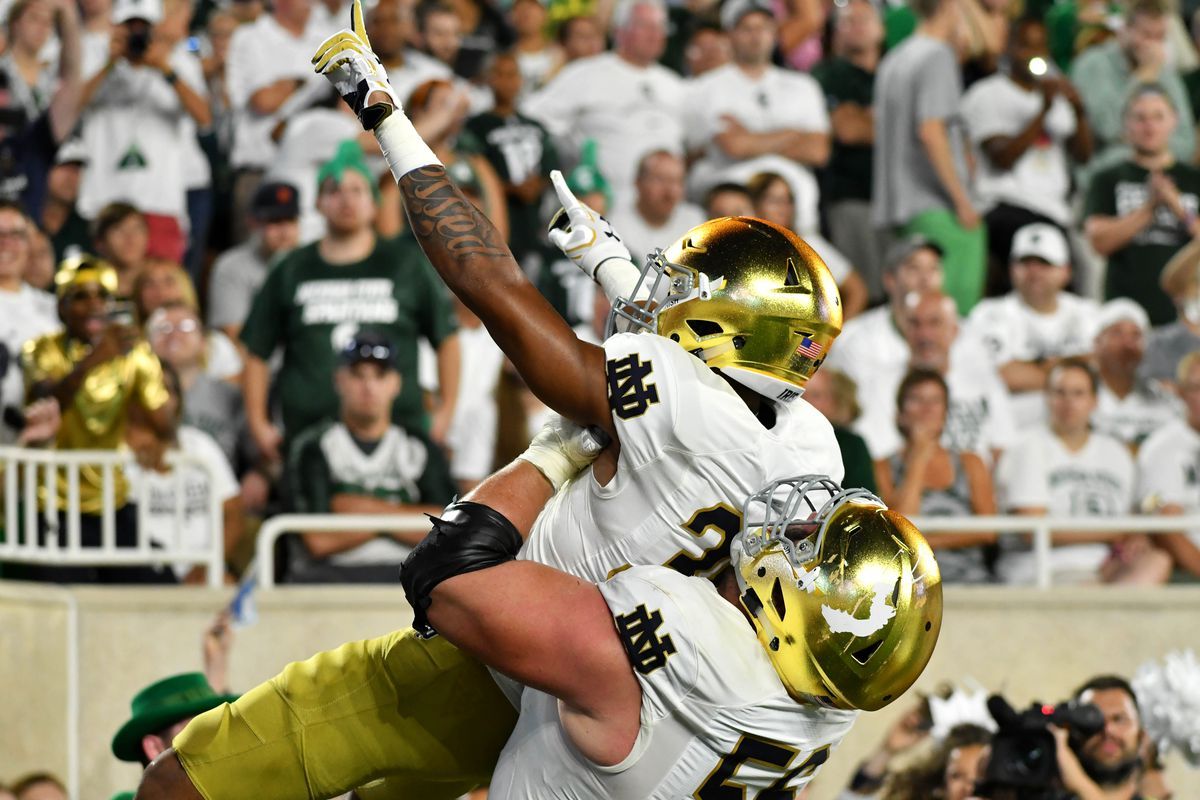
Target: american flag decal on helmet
x=810 y=349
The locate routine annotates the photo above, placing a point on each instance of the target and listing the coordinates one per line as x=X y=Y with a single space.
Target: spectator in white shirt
x=1169 y=469
x=25 y=312
x=659 y=216
x=751 y=116
x=1167 y=344
x=1029 y=329
x=538 y=56
x=1026 y=125
x=1067 y=470
x=626 y=101
x=269 y=77
x=136 y=124
x=1130 y=408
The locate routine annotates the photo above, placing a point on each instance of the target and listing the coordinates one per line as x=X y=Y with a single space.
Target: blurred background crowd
x=201 y=252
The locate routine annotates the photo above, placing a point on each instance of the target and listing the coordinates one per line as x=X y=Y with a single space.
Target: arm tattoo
x=449 y=228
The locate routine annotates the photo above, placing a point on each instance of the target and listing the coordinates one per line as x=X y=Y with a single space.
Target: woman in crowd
x=926 y=479
x=949 y=772
x=31 y=79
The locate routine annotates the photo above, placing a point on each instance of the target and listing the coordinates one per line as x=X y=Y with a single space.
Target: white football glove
x=581 y=234
x=561 y=449
x=347 y=60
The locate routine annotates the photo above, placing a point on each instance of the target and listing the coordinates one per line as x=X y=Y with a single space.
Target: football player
x=652 y=684
x=701 y=415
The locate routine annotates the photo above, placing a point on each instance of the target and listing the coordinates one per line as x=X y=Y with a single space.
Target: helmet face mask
x=845 y=595
x=748 y=298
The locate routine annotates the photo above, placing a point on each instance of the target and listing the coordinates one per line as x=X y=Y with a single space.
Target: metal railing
x=1042 y=529
x=33 y=480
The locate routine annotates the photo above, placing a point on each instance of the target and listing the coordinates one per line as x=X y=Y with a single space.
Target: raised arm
x=464 y=247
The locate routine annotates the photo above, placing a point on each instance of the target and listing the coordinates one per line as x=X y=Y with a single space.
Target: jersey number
x=720 y=518
x=775 y=757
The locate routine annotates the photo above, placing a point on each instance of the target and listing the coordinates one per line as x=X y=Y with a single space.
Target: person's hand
x=42 y=420
x=1149 y=58
x=115 y=341
x=561 y=449
x=256 y=491
x=217 y=642
x=268 y=439
x=347 y=61
x=906 y=733
x=923 y=440
x=733 y=136
x=583 y=235
x=158 y=54
x=1050 y=88
x=118 y=43
x=1166 y=193
x=967 y=216
x=439 y=424
x=1070 y=771
x=1069 y=92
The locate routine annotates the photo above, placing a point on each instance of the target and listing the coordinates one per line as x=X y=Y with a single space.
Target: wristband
x=403 y=148
x=618 y=277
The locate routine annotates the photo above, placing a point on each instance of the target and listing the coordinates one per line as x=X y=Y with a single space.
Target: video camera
x=1024 y=760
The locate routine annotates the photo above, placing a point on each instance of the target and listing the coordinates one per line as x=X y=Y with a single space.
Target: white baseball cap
x=125 y=10
x=1122 y=309
x=1041 y=240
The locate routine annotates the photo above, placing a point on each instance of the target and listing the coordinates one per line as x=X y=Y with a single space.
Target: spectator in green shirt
x=321 y=295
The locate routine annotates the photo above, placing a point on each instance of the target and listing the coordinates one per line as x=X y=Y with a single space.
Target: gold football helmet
x=745 y=296
x=846 y=596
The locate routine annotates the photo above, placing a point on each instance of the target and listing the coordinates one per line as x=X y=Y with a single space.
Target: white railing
x=31 y=474
x=1042 y=529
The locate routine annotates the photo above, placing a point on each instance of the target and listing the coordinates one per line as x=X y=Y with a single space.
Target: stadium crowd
x=202 y=252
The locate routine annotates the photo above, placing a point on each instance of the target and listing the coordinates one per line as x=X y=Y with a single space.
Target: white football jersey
x=691 y=453
x=715 y=717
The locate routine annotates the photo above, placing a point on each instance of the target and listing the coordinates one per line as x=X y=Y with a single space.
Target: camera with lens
x=1024 y=759
x=140 y=34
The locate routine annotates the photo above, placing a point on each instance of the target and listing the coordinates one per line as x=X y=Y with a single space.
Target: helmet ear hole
x=704 y=327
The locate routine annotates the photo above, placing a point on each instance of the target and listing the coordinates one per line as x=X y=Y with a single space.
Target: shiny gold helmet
x=746 y=297
x=846 y=596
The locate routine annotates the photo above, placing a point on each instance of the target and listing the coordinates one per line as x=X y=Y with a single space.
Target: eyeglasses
x=163 y=327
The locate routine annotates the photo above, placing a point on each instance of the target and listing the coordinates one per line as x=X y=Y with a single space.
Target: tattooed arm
x=566 y=374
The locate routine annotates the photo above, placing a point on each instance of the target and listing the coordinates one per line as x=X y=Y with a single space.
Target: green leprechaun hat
x=160 y=705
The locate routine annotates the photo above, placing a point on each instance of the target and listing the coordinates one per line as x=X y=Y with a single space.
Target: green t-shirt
x=860 y=470
x=1133 y=271
x=849 y=169
x=312 y=308
x=1191 y=82
x=516 y=147
x=403 y=467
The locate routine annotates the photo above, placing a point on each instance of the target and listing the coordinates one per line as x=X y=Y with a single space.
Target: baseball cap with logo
x=1043 y=241
x=125 y=10
x=275 y=201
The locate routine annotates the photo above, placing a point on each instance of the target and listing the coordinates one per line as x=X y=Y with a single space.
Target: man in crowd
x=239 y=273
x=267 y=81
x=1028 y=330
x=728 y=200
x=751 y=116
x=1140 y=212
x=25 y=312
x=69 y=232
x=624 y=100
x=320 y=295
x=660 y=215
x=392 y=32
x=1129 y=407
x=363 y=464
x=1168 y=478
x=848 y=80
x=98 y=371
x=1025 y=124
x=136 y=105
x=1109 y=73
x=920 y=175
x=520 y=151
x=1108 y=764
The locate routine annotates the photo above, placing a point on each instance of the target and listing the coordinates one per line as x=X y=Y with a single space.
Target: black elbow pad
x=467 y=537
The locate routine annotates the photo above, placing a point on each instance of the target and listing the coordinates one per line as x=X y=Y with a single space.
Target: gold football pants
x=419 y=715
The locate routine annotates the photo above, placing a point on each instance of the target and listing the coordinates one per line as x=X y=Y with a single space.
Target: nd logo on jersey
x=639 y=633
x=629 y=394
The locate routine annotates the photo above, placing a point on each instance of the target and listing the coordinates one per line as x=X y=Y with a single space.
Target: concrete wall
x=1030 y=645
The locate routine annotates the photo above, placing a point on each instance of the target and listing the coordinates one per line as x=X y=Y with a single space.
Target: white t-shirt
x=630 y=111
x=472 y=435
x=691 y=453
x=1040 y=180
x=711 y=698
x=1169 y=469
x=641 y=237
x=191 y=527
x=418 y=68
x=1132 y=419
x=24 y=314
x=1040 y=472
x=262 y=53
x=135 y=135
x=1012 y=331
x=197 y=172
x=778 y=99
